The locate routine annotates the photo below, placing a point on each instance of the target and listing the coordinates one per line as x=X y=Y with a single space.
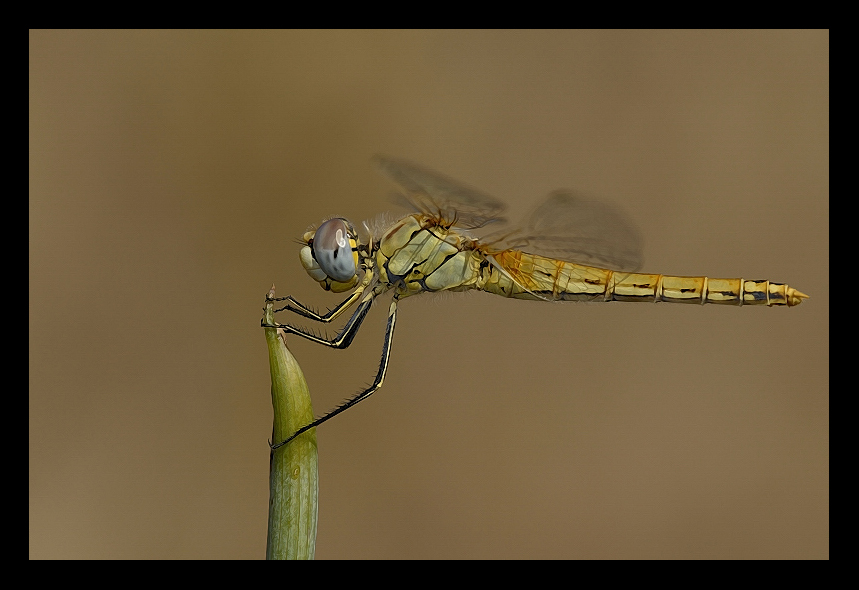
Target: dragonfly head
x=330 y=255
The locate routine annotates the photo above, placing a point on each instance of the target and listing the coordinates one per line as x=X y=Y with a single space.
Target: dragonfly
x=569 y=249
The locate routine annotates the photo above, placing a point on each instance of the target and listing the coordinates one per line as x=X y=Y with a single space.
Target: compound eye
x=332 y=249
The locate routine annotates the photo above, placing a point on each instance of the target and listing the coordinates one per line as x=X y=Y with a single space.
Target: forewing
x=435 y=194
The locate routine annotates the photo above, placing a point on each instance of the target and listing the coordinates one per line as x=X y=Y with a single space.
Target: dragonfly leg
x=377 y=382
x=295 y=306
x=344 y=338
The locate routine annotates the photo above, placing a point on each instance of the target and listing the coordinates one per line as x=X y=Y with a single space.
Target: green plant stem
x=293 y=477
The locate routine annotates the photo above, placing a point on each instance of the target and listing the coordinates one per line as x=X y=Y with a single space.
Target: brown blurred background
x=170 y=173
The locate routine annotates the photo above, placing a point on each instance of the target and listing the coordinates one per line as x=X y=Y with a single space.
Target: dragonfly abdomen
x=648 y=287
x=530 y=276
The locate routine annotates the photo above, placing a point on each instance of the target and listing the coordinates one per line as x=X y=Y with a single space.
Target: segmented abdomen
x=529 y=276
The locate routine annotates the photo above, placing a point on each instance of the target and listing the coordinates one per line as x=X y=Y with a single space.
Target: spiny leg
x=344 y=338
x=296 y=307
x=377 y=382
x=347 y=334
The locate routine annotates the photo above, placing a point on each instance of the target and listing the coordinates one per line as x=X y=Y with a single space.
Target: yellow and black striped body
x=529 y=276
x=417 y=255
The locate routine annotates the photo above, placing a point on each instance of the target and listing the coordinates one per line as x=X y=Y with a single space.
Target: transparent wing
x=566 y=226
x=434 y=194
x=569 y=227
